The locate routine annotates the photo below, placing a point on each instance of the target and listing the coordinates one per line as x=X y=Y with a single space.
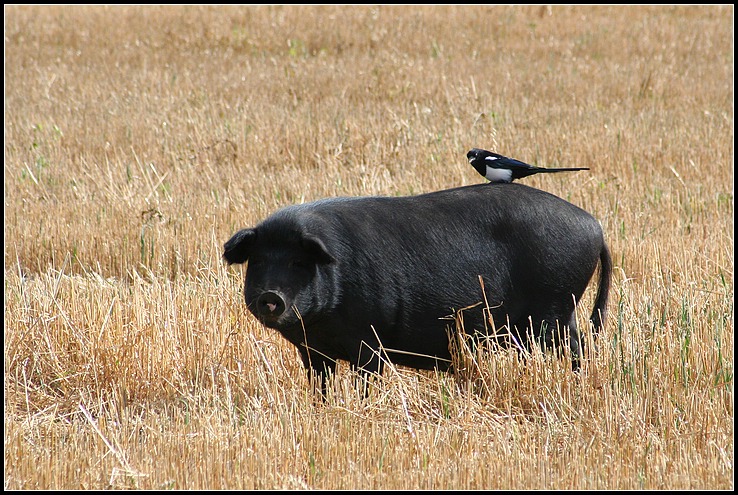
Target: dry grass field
x=139 y=139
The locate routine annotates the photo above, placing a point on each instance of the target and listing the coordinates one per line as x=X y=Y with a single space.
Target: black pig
x=360 y=278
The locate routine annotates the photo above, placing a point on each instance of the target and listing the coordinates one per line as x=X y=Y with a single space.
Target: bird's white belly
x=498 y=174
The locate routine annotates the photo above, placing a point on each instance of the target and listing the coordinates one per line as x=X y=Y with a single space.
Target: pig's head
x=288 y=273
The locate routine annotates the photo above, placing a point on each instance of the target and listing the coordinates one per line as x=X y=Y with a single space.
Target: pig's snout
x=270 y=305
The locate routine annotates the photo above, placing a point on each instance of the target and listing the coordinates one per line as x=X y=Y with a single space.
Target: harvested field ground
x=139 y=139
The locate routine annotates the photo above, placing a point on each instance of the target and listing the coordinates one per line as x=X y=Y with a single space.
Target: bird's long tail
x=541 y=169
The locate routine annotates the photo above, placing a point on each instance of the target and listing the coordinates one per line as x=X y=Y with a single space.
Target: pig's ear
x=238 y=247
x=316 y=249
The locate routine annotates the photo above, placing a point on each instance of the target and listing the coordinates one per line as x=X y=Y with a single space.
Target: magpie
x=498 y=168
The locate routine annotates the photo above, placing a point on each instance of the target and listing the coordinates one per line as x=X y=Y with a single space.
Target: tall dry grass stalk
x=138 y=139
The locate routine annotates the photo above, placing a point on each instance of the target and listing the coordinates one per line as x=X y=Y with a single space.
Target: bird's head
x=475 y=154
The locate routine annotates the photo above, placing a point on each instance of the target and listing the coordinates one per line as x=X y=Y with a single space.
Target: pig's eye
x=302 y=264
